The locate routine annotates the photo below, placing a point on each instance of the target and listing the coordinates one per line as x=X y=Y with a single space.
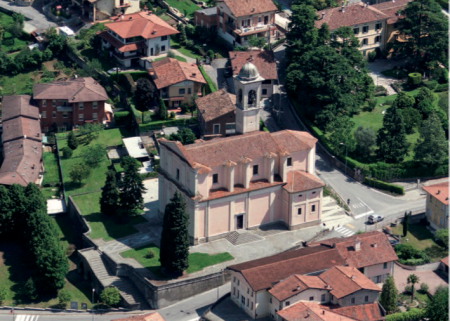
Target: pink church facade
x=243 y=182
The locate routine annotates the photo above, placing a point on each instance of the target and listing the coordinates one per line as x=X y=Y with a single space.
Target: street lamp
x=92 y=310
x=345 y=157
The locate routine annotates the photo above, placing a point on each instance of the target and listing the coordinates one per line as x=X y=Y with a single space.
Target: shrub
x=29 y=290
x=411 y=315
x=408 y=289
x=384 y=186
x=172 y=115
x=380 y=91
x=64 y=297
x=372 y=56
x=3 y=295
x=414 y=79
x=409 y=255
x=122 y=118
x=67 y=152
x=441 y=237
x=424 y=287
x=441 y=88
x=430 y=84
x=110 y=296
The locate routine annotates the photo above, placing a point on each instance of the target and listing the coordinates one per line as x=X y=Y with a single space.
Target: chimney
x=323 y=311
x=375 y=245
x=357 y=244
x=438 y=192
x=323 y=16
x=343 y=8
x=130 y=18
x=194 y=74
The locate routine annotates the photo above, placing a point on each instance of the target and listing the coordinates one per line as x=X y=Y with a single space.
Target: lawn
x=185 y=51
x=96 y=179
x=422 y=239
x=9 y=42
x=51 y=174
x=20 y=84
x=14 y=271
x=103 y=226
x=197 y=261
x=186 y=7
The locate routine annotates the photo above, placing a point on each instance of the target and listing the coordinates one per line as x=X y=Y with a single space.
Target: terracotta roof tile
x=354 y=14
x=445 y=261
x=155 y=316
x=21 y=127
x=364 y=312
x=143 y=24
x=18 y=105
x=263 y=273
x=295 y=284
x=293 y=141
x=74 y=90
x=310 y=311
x=169 y=71
x=346 y=280
x=263 y=60
x=241 y=8
x=391 y=9
x=438 y=191
x=216 y=104
x=374 y=249
x=299 y=181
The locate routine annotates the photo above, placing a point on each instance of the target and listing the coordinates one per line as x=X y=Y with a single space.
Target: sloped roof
x=21 y=127
x=241 y=8
x=296 y=284
x=310 y=311
x=364 y=312
x=391 y=9
x=262 y=59
x=216 y=104
x=154 y=316
x=143 y=24
x=346 y=280
x=75 y=90
x=18 y=105
x=169 y=71
x=353 y=14
x=438 y=191
x=299 y=181
x=374 y=249
x=263 y=273
x=121 y=46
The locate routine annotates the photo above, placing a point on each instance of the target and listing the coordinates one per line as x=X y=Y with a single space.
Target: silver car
x=375 y=218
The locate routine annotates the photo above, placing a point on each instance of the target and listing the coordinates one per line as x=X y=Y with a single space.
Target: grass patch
x=20 y=84
x=422 y=239
x=103 y=226
x=197 y=261
x=186 y=7
x=174 y=44
x=51 y=175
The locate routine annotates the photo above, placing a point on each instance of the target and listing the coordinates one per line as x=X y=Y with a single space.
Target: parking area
x=430 y=277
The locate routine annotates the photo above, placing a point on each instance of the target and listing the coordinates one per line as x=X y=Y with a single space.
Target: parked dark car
x=375 y=218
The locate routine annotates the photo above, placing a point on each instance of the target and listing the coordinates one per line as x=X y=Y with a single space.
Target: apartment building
x=437 y=205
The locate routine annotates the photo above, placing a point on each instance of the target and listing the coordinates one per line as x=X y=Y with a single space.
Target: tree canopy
x=145 y=95
x=109 y=200
x=389 y=295
x=131 y=187
x=437 y=308
x=432 y=147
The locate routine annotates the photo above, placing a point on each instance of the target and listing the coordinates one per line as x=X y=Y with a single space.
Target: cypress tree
x=389 y=296
x=432 y=147
x=174 y=252
x=72 y=141
x=110 y=195
x=405 y=224
x=131 y=187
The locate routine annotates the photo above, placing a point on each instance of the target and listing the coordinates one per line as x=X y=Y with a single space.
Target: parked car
x=394 y=242
x=375 y=218
x=114 y=70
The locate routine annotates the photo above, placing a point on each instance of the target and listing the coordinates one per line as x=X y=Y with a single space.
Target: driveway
x=375 y=71
x=429 y=277
x=37 y=19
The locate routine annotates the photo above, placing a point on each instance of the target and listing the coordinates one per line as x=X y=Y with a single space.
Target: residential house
x=307 y=311
x=154 y=316
x=369 y=253
x=265 y=63
x=217 y=114
x=22 y=142
x=443 y=267
x=132 y=37
x=241 y=19
x=69 y=103
x=95 y=10
x=206 y=18
x=437 y=205
x=178 y=82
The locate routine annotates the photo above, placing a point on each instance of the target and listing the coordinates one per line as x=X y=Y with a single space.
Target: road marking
x=26 y=317
x=350 y=225
x=344 y=231
x=363 y=214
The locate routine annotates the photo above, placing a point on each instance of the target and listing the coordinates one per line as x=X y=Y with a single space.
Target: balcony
x=122 y=4
x=245 y=31
x=64 y=108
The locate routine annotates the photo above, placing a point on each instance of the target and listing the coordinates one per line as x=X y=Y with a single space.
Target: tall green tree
x=145 y=94
x=339 y=130
x=425 y=29
x=389 y=295
x=437 y=308
x=412 y=279
x=94 y=155
x=403 y=101
x=366 y=139
x=184 y=135
x=79 y=172
x=162 y=110
x=391 y=139
x=432 y=147
x=424 y=102
x=174 y=250
x=109 y=200
x=131 y=187
x=72 y=141
x=258 y=42
x=6 y=213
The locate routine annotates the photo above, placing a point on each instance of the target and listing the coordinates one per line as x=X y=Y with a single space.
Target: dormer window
x=255 y=169
x=215 y=178
x=289 y=161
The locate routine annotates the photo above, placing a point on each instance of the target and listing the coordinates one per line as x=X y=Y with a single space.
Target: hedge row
x=384 y=186
x=211 y=86
x=166 y=123
x=411 y=315
x=122 y=118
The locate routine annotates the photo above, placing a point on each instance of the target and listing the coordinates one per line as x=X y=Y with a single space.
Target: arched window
x=252 y=98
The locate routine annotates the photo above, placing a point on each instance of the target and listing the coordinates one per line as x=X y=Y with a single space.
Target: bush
x=122 y=118
x=411 y=315
x=3 y=295
x=430 y=84
x=372 y=56
x=380 y=91
x=414 y=79
x=29 y=290
x=384 y=186
x=64 y=297
x=409 y=255
x=424 y=287
x=441 y=237
x=67 y=152
x=408 y=289
x=441 y=88
x=110 y=296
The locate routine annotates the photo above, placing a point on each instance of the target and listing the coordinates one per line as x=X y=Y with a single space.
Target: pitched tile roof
x=310 y=311
x=374 y=249
x=262 y=59
x=21 y=127
x=74 y=90
x=364 y=312
x=346 y=280
x=216 y=104
x=18 y=105
x=143 y=24
x=438 y=191
x=242 y=147
x=299 y=181
x=241 y=8
x=391 y=9
x=121 y=46
x=169 y=71
x=296 y=284
x=263 y=273
x=155 y=316
x=353 y=14
x=445 y=261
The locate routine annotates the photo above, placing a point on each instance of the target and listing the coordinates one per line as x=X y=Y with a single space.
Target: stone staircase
x=332 y=213
x=237 y=238
x=129 y=293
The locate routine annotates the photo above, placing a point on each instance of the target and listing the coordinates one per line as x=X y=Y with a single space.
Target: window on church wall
x=240 y=95
x=251 y=101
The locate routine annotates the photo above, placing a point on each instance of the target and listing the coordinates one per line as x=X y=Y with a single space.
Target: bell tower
x=248 y=95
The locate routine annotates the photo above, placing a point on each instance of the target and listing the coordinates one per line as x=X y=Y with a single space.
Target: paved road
x=37 y=19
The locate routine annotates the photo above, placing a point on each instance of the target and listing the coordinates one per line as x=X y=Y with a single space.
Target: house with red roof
x=336 y=273
x=95 y=10
x=178 y=82
x=437 y=205
x=154 y=316
x=238 y=20
x=131 y=37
